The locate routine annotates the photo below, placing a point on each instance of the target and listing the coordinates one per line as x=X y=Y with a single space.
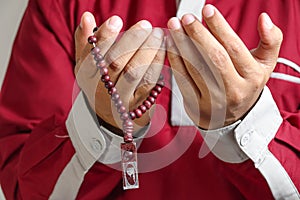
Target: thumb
x=83 y=31
x=270 y=41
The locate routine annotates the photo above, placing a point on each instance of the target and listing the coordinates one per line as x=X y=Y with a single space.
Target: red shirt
x=37 y=95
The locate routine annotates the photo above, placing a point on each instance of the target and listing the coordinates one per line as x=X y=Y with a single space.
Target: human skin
x=229 y=79
x=134 y=61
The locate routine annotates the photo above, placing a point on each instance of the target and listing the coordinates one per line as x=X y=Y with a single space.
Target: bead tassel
x=126 y=117
x=128 y=148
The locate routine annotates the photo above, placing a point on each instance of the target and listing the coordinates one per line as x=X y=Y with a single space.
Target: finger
x=106 y=35
x=238 y=52
x=270 y=42
x=213 y=53
x=139 y=63
x=83 y=31
x=196 y=65
x=119 y=55
x=151 y=76
x=186 y=84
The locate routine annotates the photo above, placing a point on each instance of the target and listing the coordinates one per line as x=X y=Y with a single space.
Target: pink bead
x=103 y=71
x=118 y=103
x=161 y=83
x=98 y=57
x=128 y=130
x=100 y=64
x=115 y=97
x=122 y=109
x=138 y=113
x=154 y=94
x=151 y=99
x=95 y=50
x=143 y=108
x=92 y=39
x=158 y=89
x=105 y=78
x=109 y=84
x=128 y=138
x=148 y=104
x=124 y=116
x=128 y=123
x=112 y=90
x=132 y=115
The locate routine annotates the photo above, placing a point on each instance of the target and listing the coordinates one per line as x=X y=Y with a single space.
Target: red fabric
x=37 y=95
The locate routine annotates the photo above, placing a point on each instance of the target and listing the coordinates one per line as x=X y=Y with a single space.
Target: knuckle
x=148 y=78
x=115 y=62
x=237 y=97
x=258 y=83
x=235 y=48
x=158 y=59
x=218 y=57
x=132 y=72
x=196 y=34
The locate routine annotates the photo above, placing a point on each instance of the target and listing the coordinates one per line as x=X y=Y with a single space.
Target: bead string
x=125 y=116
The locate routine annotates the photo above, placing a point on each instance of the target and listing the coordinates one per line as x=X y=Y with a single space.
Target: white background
x=11 y=12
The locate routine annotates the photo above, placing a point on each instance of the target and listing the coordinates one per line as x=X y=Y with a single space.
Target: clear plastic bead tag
x=129 y=166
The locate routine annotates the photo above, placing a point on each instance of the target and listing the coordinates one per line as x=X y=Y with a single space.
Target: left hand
x=214 y=69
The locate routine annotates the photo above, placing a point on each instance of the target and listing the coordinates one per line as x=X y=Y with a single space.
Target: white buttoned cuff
x=92 y=143
x=249 y=139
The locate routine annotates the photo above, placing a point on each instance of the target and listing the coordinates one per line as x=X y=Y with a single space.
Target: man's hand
x=134 y=59
x=219 y=78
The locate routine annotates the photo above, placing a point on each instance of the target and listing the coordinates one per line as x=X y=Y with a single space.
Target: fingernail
x=188 y=19
x=85 y=19
x=145 y=24
x=115 y=23
x=158 y=33
x=174 y=23
x=208 y=11
x=268 y=22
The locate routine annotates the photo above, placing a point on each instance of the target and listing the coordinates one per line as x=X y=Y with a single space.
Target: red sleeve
x=38 y=85
x=286 y=145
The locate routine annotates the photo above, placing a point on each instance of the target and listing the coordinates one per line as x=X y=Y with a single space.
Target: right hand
x=135 y=61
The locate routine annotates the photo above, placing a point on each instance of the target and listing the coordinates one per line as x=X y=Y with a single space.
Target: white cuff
x=92 y=143
x=250 y=138
x=88 y=137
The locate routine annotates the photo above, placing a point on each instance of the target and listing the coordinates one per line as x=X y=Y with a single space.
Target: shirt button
x=96 y=145
x=245 y=139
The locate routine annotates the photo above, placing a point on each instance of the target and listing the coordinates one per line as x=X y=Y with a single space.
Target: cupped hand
x=134 y=59
x=219 y=78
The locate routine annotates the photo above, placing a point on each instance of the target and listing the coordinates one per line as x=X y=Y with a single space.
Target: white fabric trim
x=69 y=181
x=89 y=144
x=190 y=6
x=249 y=139
x=222 y=144
x=178 y=115
x=285 y=77
x=253 y=137
x=112 y=152
x=280 y=183
x=92 y=143
x=289 y=63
